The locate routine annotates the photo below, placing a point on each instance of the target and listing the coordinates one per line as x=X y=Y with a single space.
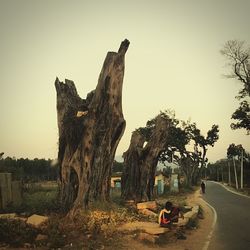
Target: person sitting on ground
x=169 y=214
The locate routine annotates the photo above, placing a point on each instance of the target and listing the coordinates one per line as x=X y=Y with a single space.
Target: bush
x=55 y=232
x=90 y=229
x=16 y=232
x=192 y=223
x=40 y=202
x=36 y=200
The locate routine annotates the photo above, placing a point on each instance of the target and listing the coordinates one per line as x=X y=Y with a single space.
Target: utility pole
x=217 y=173
x=241 y=170
x=235 y=174
x=222 y=176
x=229 y=173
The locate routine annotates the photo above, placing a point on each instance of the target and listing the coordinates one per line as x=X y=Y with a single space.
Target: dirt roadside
x=196 y=238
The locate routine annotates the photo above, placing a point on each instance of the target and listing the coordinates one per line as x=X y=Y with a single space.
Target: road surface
x=232 y=229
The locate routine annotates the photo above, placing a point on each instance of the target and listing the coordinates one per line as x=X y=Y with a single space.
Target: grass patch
x=178 y=199
x=95 y=228
x=36 y=200
x=41 y=202
x=91 y=229
x=31 y=188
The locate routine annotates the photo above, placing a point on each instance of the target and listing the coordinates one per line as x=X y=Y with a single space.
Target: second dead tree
x=140 y=162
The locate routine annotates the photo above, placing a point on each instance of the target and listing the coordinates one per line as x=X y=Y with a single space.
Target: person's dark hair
x=168 y=205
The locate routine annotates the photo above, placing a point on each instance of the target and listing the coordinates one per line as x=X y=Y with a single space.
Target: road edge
x=209 y=237
x=232 y=191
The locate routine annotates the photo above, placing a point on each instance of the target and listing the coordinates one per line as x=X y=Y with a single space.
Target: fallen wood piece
x=182 y=222
x=148 y=212
x=147 y=227
x=148 y=204
x=191 y=214
x=8 y=216
x=195 y=208
x=37 y=220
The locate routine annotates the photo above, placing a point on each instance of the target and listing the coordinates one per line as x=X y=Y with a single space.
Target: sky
x=173 y=62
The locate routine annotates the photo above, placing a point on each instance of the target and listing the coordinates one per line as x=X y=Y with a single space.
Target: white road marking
x=232 y=191
x=215 y=214
x=212 y=229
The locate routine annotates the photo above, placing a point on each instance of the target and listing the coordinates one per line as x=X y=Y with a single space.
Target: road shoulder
x=197 y=239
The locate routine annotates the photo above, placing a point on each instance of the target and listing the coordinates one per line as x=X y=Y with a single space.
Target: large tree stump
x=141 y=160
x=89 y=132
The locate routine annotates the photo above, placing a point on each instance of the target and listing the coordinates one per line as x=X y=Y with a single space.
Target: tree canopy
x=185 y=144
x=238 y=55
x=234 y=150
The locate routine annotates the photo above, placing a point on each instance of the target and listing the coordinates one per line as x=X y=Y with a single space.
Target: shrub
x=192 y=223
x=40 y=202
x=55 y=231
x=16 y=232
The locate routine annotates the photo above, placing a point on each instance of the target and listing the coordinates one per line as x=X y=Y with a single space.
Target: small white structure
x=160 y=183
x=116 y=180
x=174 y=184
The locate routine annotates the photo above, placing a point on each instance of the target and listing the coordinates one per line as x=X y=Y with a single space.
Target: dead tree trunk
x=141 y=161
x=89 y=132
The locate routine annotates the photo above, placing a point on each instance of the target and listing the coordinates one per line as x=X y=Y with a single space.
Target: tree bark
x=140 y=163
x=188 y=168
x=89 y=132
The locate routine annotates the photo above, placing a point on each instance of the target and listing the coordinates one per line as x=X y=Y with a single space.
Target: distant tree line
x=29 y=170
x=117 y=166
x=37 y=169
x=228 y=170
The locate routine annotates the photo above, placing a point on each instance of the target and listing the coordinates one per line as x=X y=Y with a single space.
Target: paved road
x=232 y=229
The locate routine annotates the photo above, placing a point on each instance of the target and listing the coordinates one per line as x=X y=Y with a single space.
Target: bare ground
x=196 y=238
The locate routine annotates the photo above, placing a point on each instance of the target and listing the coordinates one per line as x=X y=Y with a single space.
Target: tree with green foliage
x=218 y=171
x=221 y=170
x=117 y=166
x=201 y=144
x=29 y=170
x=238 y=56
x=177 y=141
x=233 y=152
x=1 y=155
x=242 y=114
x=187 y=147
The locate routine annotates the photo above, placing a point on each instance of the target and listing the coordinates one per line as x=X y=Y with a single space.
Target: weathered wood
x=37 y=220
x=140 y=162
x=89 y=132
x=148 y=227
x=148 y=212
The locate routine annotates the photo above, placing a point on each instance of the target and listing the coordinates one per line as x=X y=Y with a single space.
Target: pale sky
x=173 y=62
